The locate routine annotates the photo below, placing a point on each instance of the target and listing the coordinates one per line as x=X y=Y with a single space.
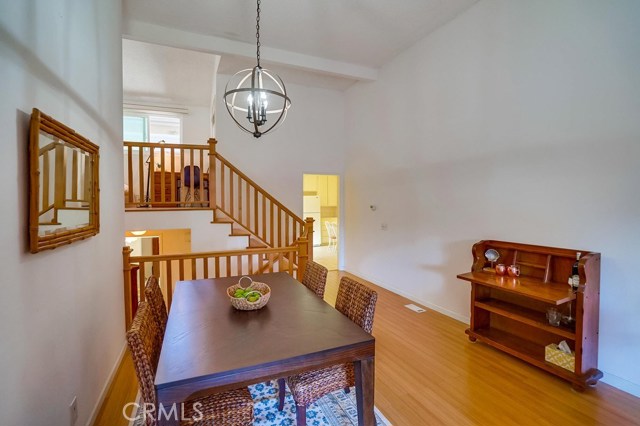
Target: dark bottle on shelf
x=575 y=274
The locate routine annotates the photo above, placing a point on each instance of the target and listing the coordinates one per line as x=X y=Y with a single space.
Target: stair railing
x=247 y=203
x=216 y=264
x=166 y=175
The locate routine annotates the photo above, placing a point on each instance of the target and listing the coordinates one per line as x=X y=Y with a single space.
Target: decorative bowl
x=241 y=303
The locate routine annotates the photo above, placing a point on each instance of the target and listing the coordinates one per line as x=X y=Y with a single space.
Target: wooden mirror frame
x=41 y=122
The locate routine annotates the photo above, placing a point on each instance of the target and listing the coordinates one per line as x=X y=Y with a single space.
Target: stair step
x=254 y=243
x=239 y=233
x=222 y=220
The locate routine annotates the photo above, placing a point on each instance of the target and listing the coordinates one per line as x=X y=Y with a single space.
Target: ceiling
x=157 y=74
x=335 y=42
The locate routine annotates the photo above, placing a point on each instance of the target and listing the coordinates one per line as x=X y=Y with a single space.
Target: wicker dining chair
x=315 y=278
x=153 y=295
x=358 y=303
x=233 y=408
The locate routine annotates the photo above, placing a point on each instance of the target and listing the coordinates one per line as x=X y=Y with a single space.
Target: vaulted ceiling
x=335 y=42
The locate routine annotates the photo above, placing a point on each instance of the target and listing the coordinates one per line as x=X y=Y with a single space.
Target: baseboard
x=396 y=290
x=106 y=386
x=620 y=383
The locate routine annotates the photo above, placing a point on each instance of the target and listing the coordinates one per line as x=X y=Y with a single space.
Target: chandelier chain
x=258 y=33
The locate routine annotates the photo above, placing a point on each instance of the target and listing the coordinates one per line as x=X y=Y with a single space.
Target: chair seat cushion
x=310 y=386
x=232 y=408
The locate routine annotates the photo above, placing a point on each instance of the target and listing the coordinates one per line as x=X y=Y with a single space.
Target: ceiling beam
x=151 y=33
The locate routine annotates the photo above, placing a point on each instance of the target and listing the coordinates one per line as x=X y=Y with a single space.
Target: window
x=142 y=126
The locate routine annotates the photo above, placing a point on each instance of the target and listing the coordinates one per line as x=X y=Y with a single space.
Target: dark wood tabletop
x=210 y=345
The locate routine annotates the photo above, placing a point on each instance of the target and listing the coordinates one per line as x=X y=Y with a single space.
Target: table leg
x=365 y=377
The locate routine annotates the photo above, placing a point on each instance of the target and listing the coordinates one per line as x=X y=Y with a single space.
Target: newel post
x=213 y=185
x=308 y=227
x=126 y=270
x=303 y=256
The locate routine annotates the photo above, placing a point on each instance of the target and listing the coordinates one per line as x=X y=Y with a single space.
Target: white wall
x=61 y=311
x=196 y=126
x=205 y=236
x=311 y=140
x=518 y=120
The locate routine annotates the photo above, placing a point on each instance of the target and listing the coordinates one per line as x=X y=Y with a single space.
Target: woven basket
x=243 y=304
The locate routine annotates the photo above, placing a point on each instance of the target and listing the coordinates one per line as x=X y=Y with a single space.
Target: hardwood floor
x=428 y=373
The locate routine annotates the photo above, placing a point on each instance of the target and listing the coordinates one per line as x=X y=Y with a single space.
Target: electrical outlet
x=73 y=410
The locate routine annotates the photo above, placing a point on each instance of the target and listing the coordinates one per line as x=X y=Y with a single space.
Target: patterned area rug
x=335 y=409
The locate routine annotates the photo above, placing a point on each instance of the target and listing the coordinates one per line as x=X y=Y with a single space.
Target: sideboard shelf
x=525 y=316
x=509 y=313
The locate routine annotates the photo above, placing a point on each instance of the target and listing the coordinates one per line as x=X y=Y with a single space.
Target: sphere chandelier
x=257 y=100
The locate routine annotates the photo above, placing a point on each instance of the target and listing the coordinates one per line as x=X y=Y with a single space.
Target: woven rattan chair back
x=153 y=296
x=315 y=278
x=145 y=341
x=357 y=302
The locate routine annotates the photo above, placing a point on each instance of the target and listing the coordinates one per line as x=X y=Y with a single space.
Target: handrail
x=211 y=264
x=259 y=188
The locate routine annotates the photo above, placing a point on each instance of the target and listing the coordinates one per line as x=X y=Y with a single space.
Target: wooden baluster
x=231 y=204
x=181 y=269
x=128 y=302
x=264 y=218
x=223 y=203
x=295 y=230
x=191 y=176
x=169 y=284
x=129 y=174
x=194 y=269
x=227 y=271
x=217 y=266
x=279 y=226
x=203 y=193
x=255 y=211
x=239 y=265
x=271 y=239
x=240 y=200
x=205 y=267
x=163 y=196
x=174 y=198
x=309 y=232
x=213 y=200
x=151 y=165
x=303 y=256
x=182 y=190
x=248 y=207
x=141 y=191
x=271 y=259
x=290 y=261
x=286 y=230
x=142 y=280
x=250 y=264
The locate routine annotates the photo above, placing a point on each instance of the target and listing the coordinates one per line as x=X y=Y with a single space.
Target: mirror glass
x=64 y=203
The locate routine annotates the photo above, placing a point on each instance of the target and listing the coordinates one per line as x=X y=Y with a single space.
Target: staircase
x=234 y=198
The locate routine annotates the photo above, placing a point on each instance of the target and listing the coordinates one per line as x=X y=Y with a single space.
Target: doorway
x=321 y=201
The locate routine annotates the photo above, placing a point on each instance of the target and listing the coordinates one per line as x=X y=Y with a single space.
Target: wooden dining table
x=211 y=347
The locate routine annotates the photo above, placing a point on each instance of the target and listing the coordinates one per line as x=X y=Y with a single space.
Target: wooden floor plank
x=428 y=373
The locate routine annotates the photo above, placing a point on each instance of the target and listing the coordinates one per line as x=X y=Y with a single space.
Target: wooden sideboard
x=510 y=313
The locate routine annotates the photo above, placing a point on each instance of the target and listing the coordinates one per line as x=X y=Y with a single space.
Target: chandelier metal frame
x=257 y=107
